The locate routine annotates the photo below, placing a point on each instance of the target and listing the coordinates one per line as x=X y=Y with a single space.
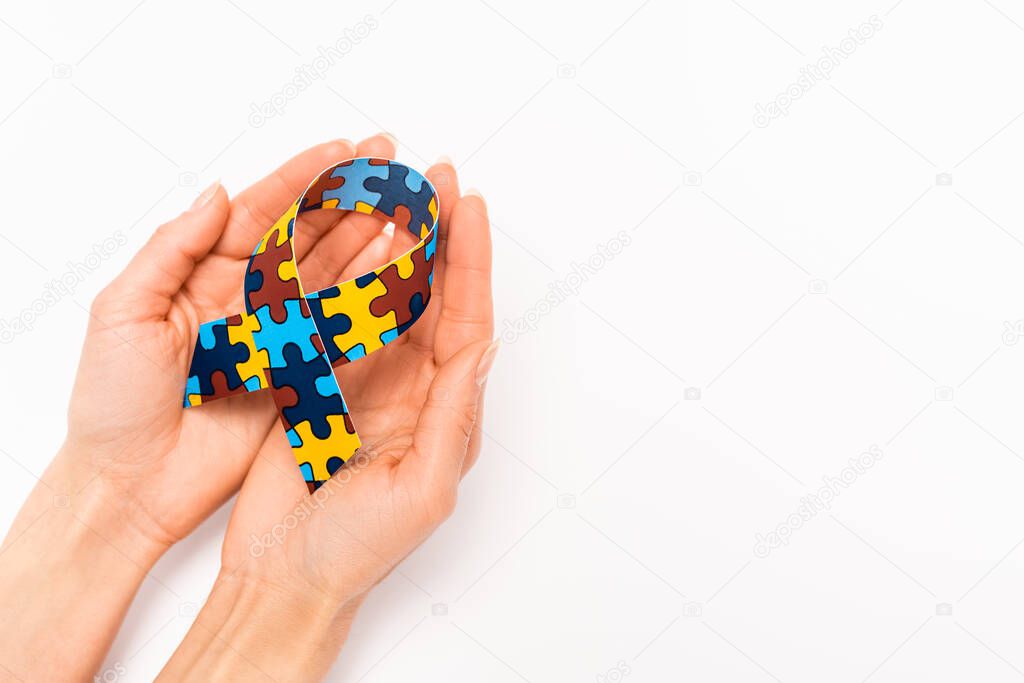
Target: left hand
x=137 y=472
x=166 y=468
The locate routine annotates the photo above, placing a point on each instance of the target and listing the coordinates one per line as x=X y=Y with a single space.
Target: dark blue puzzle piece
x=253 y=283
x=311 y=404
x=221 y=355
x=394 y=191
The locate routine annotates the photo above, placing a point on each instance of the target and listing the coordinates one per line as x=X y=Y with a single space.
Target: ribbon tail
x=315 y=418
x=225 y=361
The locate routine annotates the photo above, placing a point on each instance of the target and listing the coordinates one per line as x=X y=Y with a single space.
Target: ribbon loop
x=288 y=341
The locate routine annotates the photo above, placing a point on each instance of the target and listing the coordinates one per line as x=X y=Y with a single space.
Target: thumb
x=155 y=274
x=442 y=434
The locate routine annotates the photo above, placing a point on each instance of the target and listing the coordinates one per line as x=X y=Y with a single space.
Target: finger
x=446 y=183
x=401 y=241
x=476 y=438
x=154 y=275
x=443 y=177
x=373 y=255
x=441 y=437
x=381 y=145
x=334 y=253
x=320 y=272
x=257 y=208
x=466 y=310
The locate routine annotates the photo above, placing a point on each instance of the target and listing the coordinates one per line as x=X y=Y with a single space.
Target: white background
x=813 y=279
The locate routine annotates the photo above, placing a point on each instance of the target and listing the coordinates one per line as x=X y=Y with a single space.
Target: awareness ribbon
x=288 y=341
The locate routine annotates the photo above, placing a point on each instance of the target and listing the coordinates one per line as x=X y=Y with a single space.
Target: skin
x=137 y=473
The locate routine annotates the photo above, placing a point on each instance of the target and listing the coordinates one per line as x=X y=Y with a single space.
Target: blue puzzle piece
x=356 y=352
x=274 y=336
x=207 y=335
x=430 y=248
x=191 y=387
x=355 y=190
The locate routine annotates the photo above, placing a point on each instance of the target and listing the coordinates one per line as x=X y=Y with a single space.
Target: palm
x=127 y=408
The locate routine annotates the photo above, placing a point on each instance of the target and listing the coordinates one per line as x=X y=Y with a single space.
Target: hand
x=417 y=404
x=136 y=472
x=168 y=469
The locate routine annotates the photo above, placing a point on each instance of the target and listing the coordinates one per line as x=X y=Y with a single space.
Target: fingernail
x=473 y=192
x=205 y=196
x=483 y=368
x=390 y=137
x=445 y=159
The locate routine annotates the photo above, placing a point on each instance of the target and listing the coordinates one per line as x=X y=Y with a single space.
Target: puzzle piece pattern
x=287 y=340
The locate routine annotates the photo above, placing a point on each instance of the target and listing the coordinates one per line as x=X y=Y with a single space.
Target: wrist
x=73 y=539
x=74 y=483
x=250 y=628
